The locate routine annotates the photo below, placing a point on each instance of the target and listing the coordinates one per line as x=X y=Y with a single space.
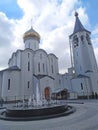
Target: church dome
x=31 y=33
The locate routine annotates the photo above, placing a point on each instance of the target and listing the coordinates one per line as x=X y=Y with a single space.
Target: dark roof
x=82 y=76
x=59 y=90
x=78 y=25
x=40 y=76
x=12 y=68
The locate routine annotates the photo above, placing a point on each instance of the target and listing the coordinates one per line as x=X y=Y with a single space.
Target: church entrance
x=47 y=93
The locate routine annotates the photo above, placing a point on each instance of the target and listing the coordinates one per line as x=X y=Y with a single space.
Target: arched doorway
x=47 y=93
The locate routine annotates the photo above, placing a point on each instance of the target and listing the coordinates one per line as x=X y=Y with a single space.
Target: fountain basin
x=32 y=114
x=35 y=111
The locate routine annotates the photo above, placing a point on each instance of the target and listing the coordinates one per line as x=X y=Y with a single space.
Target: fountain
x=38 y=97
x=30 y=101
x=36 y=109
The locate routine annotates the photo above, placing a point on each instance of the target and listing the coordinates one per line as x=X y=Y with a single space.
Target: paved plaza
x=85 y=118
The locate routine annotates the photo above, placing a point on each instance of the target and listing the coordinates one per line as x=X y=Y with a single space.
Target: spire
x=78 y=25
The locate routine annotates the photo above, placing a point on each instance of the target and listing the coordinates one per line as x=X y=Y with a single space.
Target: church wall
x=66 y=81
x=40 y=63
x=83 y=54
x=81 y=86
x=27 y=69
x=32 y=44
x=14 y=59
x=93 y=59
x=77 y=55
x=18 y=60
x=53 y=65
x=11 y=85
x=94 y=81
x=46 y=82
x=53 y=69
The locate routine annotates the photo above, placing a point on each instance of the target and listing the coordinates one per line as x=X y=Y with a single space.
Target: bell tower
x=83 y=58
x=83 y=53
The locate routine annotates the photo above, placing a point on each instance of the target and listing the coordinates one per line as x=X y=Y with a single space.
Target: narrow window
x=28 y=55
x=28 y=66
x=43 y=67
x=38 y=67
x=28 y=84
x=75 y=40
x=52 y=68
x=81 y=86
x=82 y=38
x=88 y=39
x=9 y=84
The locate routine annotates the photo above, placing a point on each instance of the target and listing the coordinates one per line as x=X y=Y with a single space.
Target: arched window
x=28 y=55
x=38 y=67
x=9 y=84
x=28 y=66
x=43 y=67
x=75 y=41
x=82 y=39
x=88 y=39
x=52 y=68
x=81 y=86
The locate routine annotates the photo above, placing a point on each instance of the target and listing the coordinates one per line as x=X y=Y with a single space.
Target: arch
x=47 y=93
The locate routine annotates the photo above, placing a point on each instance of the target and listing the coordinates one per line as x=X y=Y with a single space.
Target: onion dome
x=31 y=34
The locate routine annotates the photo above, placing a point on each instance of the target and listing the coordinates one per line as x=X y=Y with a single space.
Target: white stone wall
x=32 y=44
x=93 y=81
x=18 y=60
x=46 y=82
x=40 y=62
x=81 y=86
x=53 y=69
x=27 y=69
x=14 y=90
x=15 y=60
x=83 y=55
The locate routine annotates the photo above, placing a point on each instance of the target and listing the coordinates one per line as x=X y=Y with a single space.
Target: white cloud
x=52 y=19
x=6 y=39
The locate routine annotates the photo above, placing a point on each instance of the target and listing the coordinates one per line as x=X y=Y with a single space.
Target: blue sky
x=92 y=10
x=52 y=19
x=11 y=8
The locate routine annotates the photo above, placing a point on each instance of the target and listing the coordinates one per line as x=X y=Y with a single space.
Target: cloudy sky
x=52 y=19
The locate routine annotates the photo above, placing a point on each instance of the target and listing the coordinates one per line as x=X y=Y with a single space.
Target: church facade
x=27 y=69
x=33 y=67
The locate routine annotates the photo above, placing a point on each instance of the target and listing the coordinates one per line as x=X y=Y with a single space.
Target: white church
x=33 y=67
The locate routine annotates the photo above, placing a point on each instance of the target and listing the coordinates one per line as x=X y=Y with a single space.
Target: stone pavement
x=85 y=118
